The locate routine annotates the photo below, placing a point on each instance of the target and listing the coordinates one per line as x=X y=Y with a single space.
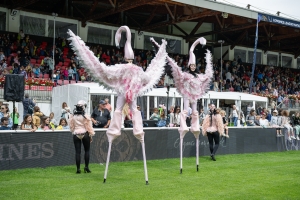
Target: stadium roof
x=234 y=25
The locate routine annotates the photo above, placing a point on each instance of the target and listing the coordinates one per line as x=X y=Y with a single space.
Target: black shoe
x=213 y=157
x=87 y=170
x=78 y=171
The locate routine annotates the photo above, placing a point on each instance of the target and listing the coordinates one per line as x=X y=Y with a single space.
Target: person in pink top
x=107 y=106
x=213 y=128
x=65 y=75
x=82 y=129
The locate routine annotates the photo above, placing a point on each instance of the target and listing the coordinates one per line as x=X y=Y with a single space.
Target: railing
x=39 y=93
x=289 y=104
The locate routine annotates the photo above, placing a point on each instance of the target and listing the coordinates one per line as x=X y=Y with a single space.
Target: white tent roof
x=234 y=96
x=72 y=93
x=95 y=88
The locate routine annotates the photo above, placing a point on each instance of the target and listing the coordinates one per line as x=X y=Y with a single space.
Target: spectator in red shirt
x=105 y=58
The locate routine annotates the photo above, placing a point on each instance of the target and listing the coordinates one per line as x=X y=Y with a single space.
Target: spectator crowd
x=19 y=54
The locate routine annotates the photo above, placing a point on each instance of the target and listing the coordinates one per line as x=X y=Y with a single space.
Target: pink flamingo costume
x=191 y=88
x=128 y=80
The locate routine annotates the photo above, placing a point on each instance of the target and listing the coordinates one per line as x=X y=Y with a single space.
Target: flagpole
x=254 y=54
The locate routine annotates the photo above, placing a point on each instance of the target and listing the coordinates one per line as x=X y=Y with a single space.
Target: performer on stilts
x=192 y=86
x=128 y=80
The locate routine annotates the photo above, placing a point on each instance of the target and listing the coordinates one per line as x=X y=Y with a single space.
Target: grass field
x=242 y=176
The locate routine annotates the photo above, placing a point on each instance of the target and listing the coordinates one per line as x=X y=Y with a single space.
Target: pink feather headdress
x=128 y=52
x=192 y=59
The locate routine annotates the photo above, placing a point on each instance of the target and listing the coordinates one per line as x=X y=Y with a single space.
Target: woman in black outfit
x=213 y=128
x=82 y=130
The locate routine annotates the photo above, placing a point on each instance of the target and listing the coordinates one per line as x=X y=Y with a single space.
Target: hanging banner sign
x=278 y=20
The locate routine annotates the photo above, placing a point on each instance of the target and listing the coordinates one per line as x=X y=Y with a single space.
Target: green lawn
x=243 y=176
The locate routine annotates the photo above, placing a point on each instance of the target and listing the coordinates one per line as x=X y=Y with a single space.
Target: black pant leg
x=216 y=137
x=86 y=144
x=211 y=142
x=77 y=144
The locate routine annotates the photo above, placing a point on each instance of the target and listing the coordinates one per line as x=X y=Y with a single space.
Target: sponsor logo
x=26 y=151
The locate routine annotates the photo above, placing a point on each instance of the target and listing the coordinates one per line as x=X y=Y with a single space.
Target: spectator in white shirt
x=2 y=56
x=234 y=115
x=228 y=76
x=263 y=121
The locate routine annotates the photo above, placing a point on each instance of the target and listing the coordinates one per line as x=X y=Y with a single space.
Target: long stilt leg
x=195 y=129
x=107 y=161
x=197 y=153
x=112 y=133
x=181 y=144
x=145 y=163
x=183 y=129
x=139 y=134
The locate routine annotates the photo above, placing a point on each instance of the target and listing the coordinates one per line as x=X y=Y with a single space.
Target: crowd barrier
x=20 y=149
x=40 y=95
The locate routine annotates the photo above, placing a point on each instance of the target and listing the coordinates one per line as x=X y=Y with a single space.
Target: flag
x=259 y=17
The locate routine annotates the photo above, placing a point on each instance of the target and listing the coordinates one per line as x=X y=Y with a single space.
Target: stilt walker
x=192 y=86
x=128 y=80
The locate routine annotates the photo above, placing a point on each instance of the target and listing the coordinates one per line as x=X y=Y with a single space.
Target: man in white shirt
x=228 y=76
x=2 y=56
x=188 y=119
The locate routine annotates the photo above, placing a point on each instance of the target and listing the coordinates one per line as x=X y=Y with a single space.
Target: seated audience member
x=275 y=122
x=63 y=124
x=296 y=124
x=175 y=117
x=52 y=119
x=46 y=124
x=225 y=122
x=5 y=113
x=155 y=116
x=286 y=123
x=251 y=118
x=263 y=121
x=201 y=116
x=16 y=120
x=56 y=78
x=23 y=72
x=82 y=77
x=37 y=116
x=126 y=113
x=163 y=119
x=268 y=116
x=36 y=71
x=256 y=121
x=27 y=124
x=65 y=111
x=108 y=106
x=101 y=116
x=139 y=109
x=4 y=124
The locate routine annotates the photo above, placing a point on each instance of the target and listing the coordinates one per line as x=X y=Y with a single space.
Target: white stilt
x=181 y=144
x=107 y=161
x=145 y=164
x=197 y=153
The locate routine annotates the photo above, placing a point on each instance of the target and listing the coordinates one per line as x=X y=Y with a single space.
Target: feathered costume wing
x=127 y=79
x=188 y=85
